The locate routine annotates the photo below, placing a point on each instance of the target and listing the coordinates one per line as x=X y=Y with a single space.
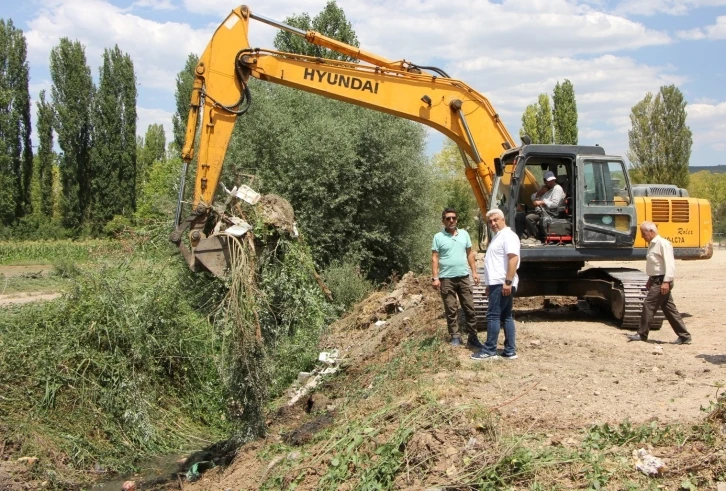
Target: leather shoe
x=636 y=337
x=682 y=341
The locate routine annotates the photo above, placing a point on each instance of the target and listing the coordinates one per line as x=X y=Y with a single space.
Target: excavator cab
x=598 y=211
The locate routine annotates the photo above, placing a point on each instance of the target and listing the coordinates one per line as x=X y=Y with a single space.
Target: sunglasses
x=449 y=218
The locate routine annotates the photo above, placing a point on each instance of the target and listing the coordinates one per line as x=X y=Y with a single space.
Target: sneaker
x=637 y=337
x=483 y=356
x=681 y=340
x=456 y=342
x=473 y=342
x=509 y=356
x=529 y=241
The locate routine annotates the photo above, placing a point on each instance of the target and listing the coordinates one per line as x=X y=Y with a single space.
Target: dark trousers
x=655 y=300
x=451 y=288
x=526 y=224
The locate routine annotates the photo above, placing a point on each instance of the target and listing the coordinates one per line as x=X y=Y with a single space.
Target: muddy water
x=157 y=470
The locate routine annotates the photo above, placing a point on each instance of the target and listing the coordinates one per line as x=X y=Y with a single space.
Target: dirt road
x=574 y=369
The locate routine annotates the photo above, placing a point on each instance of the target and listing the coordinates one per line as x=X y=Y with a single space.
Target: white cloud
x=459 y=29
x=708 y=123
x=153 y=5
x=714 y=32
x=669 y=7
x=148 y=116
x=157 y=49
x=606 y=88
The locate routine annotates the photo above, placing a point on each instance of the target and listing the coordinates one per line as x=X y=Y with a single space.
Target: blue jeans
x=500 y=309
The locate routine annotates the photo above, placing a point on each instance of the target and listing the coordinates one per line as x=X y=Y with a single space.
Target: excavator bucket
x=213 y=254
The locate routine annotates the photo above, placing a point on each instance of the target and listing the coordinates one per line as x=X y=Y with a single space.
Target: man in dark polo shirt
x=452 y=261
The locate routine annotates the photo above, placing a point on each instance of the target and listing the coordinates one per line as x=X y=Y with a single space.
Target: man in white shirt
x=500 y=278
x=546 y=201
x=660 y=266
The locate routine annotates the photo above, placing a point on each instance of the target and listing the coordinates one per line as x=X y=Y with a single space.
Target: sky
x=613 y=51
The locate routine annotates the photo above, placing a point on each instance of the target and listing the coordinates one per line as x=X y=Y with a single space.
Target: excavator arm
x=220 y=94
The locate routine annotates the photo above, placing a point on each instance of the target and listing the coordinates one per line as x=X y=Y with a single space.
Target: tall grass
x=121 y=368
x=42 y=252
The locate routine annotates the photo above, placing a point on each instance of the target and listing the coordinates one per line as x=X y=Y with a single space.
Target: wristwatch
x=434 y=278
x=508 y=282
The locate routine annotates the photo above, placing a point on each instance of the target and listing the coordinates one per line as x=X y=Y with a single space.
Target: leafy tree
x=182 y=95
x=45 y=155
x=448 y=169
x=712 y=187
x=16 y=154
x=565 y=113
x=72 y=96
x=149 y=149
x=354 y=176
x=537 y=121
x=114 y=139
x=331 y=22
x=660 y=141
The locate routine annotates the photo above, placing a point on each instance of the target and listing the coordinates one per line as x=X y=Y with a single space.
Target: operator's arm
x=471 y=259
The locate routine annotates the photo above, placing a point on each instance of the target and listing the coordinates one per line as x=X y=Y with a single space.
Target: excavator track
x=631 y=283
x=626 y=306
x=481 y=302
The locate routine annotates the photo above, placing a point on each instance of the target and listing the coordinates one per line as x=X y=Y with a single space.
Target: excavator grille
x=661 y=210
x=680 y=212
x=673 y=210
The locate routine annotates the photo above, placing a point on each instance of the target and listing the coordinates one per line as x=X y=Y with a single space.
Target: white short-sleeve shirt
x=496 y=259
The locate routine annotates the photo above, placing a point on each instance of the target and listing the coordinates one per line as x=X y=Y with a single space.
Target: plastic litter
x=647 y=463
x=380 y=323
x=195 y=471
x=329 y=357
x=246 y=193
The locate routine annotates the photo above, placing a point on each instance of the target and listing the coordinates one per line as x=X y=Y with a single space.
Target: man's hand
x=436 y=284
x=647 y=286
x=486 y=291
x=665 y=287
x=506 y=290
x=475 y=276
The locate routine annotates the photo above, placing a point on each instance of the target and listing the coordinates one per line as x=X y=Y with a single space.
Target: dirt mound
x=277 y=212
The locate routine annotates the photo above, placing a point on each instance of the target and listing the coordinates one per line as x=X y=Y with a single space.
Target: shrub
x=347 y=284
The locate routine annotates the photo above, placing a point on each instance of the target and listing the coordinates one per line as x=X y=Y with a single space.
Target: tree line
x=364 y=191
x=93 y=177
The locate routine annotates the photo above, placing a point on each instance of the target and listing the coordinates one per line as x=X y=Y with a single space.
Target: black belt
x=658 y=277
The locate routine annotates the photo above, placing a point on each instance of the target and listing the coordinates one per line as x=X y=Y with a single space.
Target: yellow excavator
x=597 y=223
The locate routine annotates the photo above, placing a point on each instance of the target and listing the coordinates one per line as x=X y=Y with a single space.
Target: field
x=567 y=414
x=407 y=411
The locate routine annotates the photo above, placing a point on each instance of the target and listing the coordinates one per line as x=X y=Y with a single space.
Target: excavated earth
x=575 y=369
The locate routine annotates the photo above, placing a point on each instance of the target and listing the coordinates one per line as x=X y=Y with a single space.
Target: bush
x=117 y=225
x=347 y=284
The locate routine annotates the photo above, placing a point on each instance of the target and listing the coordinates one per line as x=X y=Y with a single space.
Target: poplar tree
x=537 y=121
x=16 y=154
x=114 y=138
x=72 y=95
x=660 y=140
x=149 y=149
x=183 y=93
x=45 y=155
x=565 y=113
